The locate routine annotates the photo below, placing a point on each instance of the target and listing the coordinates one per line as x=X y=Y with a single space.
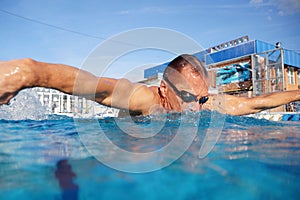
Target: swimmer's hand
x=15 y=75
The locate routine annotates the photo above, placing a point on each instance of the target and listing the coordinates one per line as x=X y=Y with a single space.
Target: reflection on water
x=65 y=177
x=269 y=144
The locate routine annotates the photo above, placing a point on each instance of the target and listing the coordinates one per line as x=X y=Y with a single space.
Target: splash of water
x=24 y=106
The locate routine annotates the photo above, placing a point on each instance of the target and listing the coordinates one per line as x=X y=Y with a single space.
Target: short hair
x=182 y=61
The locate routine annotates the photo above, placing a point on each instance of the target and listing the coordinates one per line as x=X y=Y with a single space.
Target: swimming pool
x=46 y=159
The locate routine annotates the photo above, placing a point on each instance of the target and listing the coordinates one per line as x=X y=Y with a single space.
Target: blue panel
x=201 y=55
x=155 y=70
x=291 y=58
x=234 y=52
x=263 y=46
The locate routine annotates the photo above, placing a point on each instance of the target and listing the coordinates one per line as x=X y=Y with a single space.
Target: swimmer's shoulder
x=144 y=98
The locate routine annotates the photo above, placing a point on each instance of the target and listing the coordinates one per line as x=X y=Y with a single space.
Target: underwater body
x=58 y=157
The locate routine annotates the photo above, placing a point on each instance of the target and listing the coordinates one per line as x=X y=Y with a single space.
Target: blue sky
x=207 y=22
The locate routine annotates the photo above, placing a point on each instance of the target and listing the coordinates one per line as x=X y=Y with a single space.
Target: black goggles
x=186 y=96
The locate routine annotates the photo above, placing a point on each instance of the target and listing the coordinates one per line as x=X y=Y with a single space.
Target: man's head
x=182 y=61
x=185 y=84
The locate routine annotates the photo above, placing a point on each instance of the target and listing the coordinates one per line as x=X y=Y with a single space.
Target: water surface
x=46 y=159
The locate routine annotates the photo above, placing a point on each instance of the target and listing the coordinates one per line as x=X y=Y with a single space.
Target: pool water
x=46 y=159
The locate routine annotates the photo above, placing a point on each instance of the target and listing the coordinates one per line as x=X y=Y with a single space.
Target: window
x=291 y=75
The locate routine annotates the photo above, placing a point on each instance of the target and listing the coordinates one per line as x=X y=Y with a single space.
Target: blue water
x=46 y=159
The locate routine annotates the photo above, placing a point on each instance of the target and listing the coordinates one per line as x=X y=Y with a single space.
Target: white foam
x=25 y=105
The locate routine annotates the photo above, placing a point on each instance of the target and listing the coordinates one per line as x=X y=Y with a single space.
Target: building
x=246 y=68
x=63 y=104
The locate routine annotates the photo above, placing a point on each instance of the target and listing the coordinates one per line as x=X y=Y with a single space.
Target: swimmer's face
x=186 y=90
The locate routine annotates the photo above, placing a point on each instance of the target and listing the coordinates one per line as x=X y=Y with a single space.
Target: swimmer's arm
x=26 y=73
x=242 y=105
x=16 y=75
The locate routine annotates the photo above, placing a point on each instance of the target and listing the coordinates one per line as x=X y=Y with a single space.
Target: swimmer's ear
x=163 y=88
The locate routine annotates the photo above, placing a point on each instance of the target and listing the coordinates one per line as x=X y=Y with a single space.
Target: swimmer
x=184 y=86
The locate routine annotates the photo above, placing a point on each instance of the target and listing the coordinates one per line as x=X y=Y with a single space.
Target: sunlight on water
x=25 y=105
